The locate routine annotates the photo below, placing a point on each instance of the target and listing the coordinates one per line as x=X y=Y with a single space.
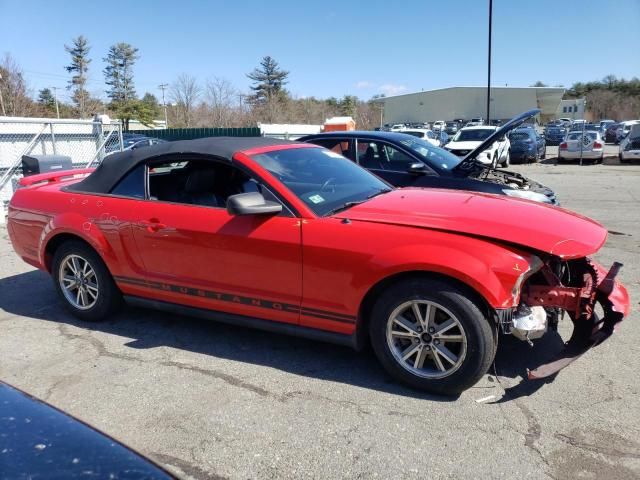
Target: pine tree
x=46 y=99
x=147 y=109
x=79 y=66
x=269 y=80
x=118 y=75
x=348 y=105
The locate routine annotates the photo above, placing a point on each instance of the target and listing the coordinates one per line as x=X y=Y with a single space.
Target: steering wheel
x=325 y=185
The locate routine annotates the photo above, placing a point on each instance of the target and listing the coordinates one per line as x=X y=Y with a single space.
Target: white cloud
x=392 y=89
x=364 y=84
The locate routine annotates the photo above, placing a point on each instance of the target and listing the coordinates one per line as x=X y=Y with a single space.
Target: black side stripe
x=233 y=298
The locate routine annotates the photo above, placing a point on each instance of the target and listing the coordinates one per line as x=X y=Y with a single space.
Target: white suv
x=469 y=138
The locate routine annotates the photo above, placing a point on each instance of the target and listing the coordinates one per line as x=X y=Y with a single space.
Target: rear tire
x=84 y=283
x=445 y=351
x=536 y=157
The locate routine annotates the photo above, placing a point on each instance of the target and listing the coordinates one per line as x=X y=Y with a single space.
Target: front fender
x=490 y=269
x=73 y=223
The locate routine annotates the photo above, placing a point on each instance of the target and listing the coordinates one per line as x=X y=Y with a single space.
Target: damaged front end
x=573 y=286
x=516 y=185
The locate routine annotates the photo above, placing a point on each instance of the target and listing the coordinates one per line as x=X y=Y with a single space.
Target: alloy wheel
x=78 y=282
x=426 y=339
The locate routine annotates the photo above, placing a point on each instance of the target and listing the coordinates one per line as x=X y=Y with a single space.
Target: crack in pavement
x=193 y=471
x=225 y=377
x=601 y=449
x=97 y=344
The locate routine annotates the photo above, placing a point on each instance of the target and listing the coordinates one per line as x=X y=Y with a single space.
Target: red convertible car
x=294 y=238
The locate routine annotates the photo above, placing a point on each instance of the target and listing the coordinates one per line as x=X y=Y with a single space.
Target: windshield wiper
x=379 y=192
x=344 y=206
x=353 y=203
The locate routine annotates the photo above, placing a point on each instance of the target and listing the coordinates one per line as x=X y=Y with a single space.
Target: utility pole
x=4 y=114
x=162 y=87
x=55 y=96
x=489 y=65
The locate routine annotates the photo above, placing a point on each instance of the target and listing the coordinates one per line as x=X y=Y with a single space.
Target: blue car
x=527 y=145
x=554 y=135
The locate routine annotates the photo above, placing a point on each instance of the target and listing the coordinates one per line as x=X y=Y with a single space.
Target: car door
x=390 y=163
x=195 y=253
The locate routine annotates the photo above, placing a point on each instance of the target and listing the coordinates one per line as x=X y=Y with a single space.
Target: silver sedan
x=588 y=145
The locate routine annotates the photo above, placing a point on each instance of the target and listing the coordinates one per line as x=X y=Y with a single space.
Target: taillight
x=563 y=146
x=597 y=145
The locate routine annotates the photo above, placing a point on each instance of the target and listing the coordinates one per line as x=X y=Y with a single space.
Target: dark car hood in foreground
x=521 y=222
x=39 y=441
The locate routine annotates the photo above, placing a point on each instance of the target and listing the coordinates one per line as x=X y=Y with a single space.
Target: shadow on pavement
x=32 y=295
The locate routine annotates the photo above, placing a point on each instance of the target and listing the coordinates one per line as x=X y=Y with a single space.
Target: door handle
x=153 y=225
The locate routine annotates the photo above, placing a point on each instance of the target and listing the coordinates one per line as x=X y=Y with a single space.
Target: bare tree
x=221 y=98
x=185 y=93
x=14 y=93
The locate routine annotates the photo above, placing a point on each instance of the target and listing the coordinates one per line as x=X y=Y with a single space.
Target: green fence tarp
x=171 y=134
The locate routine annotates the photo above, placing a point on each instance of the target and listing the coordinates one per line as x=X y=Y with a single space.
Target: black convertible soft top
x=115 y=166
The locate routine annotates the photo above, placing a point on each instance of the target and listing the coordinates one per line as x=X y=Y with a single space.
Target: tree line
x=611 y=97
x=215 y=102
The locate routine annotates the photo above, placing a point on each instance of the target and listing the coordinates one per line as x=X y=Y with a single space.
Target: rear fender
x=77 y=225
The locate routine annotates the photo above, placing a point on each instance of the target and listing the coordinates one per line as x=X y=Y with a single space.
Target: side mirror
x=251 y=203
x=417 y=168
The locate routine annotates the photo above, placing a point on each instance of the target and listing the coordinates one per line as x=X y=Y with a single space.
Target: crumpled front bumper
x=591 y=331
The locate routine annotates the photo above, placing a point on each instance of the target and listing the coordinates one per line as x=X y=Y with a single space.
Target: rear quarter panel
x=38 y=214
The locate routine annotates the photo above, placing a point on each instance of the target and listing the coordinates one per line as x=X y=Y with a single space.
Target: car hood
x=469 y=161
x=506 y=219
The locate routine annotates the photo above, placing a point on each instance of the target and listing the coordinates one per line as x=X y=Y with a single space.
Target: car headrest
x=200 y=181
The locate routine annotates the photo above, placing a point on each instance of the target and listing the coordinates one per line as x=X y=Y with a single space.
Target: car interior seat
x=199 y=188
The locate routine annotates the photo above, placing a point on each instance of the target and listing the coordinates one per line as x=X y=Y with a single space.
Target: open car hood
x=469 y=161
x=506 y=219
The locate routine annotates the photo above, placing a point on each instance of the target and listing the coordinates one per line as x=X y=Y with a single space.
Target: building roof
x=493 y=88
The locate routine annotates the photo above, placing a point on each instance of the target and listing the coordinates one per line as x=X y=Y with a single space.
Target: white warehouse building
x=470 y=102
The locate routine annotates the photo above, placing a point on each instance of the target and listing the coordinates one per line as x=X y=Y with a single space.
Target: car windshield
x=450 y=124
x=430 y=154
x=324 y=180
x=473 y=135
x=578 y=135
x=415 y=133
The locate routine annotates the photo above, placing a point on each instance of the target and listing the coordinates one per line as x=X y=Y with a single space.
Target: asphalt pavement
x=213 y=401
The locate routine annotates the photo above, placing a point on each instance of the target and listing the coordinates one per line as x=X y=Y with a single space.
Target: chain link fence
x=85 y=142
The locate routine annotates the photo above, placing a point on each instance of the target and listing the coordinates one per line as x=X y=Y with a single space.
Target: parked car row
x=132 y=141
x=295 y=238
x=630 y=145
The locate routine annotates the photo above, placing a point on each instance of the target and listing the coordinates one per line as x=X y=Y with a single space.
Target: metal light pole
x=162 y=87
x=489 y=65
x=55 y=96
x=4 y=114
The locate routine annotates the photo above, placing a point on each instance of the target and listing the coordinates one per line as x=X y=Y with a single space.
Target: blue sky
x=332 y=47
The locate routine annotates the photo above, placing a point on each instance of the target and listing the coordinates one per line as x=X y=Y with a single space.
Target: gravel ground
x=213 y=401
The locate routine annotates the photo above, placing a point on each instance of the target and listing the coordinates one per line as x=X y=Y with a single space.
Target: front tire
x=507 y=159
x=84 y=283
x=432 y=335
